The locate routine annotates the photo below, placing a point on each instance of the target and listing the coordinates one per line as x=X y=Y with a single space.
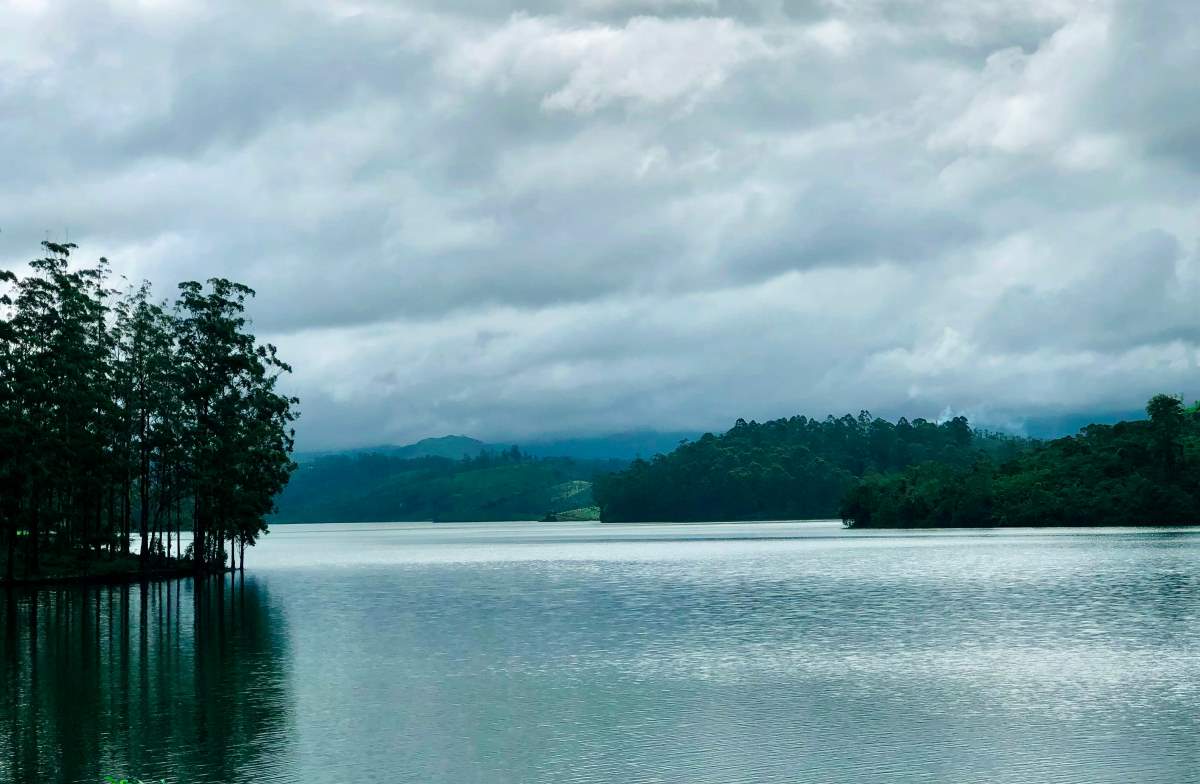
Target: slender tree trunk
x=160 y=511
x=144 y=490
x=113 y=528
x=126 y=511
x=219 y=541
x=167 y=515
x=156 y=532
x=100 y=536
x=198 y=554
x=84 y=513
x=12 y=549
x=34 y=567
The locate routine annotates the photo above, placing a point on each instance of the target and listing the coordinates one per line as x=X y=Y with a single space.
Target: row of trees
x=123 y=414
x=1130 y=473
x=784 y=469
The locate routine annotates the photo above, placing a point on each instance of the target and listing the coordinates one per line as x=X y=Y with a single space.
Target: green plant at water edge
x=115 y=780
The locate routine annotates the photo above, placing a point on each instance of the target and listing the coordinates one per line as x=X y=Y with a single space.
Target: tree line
x=1131 y=473
x=785 y=469
x=121 y=414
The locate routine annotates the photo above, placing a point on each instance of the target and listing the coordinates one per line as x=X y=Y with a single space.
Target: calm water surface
x=705 y=654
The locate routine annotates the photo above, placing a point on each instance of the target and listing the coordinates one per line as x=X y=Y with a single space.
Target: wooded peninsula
x=123 y=415
x=878 y=474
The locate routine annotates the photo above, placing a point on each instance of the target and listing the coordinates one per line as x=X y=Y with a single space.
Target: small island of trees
x=123 y=415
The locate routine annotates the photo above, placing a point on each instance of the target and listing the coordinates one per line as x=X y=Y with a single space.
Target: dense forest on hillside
x=501 y=485
x=1130 y=473
x=120 y=414
x=787 y=468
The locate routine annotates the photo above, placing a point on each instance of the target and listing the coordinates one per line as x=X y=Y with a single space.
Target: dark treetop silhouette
x=121 y=414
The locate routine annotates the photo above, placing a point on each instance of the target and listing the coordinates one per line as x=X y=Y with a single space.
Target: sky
x=469 y=216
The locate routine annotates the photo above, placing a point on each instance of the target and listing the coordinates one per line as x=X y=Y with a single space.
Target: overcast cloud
x=601 y=215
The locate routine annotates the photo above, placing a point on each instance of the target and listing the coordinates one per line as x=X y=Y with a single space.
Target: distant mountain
x=462 y=478
x=500 y=485
x=619 y=446
x=452 y=447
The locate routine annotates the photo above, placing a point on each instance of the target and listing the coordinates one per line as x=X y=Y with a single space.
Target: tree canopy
x=1130 y=473
x=784 y=469
x=120 y=414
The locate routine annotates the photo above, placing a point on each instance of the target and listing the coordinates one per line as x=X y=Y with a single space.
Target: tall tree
x=115 y=408
x=238 y=437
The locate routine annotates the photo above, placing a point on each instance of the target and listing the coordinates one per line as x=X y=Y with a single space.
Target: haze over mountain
x=461 y=478
x=452 y=447
x=648 y=443
x=618 y=446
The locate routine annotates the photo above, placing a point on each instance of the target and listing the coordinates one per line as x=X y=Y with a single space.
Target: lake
x=564 y=653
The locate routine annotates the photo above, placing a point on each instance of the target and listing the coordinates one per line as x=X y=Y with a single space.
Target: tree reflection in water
x=180 y=680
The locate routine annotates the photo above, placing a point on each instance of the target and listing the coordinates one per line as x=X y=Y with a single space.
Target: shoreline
x=118 y=576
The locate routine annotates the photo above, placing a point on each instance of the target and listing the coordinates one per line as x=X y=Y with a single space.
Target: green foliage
x=506 y=485
x=115 y=780
x=784 y=469
x=114 y=407
x=931 y=493
x=1142 y=472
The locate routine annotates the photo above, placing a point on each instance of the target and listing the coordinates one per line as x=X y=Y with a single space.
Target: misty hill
x=617 y=446
x=457 y=478
x=451 y=447
x=504 y=485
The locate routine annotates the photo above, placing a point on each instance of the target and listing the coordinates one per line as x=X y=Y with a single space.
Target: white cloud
x=1025 y=101
x=608 y=214
x=647 y=62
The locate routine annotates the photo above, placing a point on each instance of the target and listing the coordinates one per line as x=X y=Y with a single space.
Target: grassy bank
x=582 y=514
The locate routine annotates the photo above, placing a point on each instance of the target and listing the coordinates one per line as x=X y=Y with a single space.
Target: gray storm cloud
x=463 y=216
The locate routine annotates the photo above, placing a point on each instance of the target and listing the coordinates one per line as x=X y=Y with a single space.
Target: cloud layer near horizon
x=603 y=215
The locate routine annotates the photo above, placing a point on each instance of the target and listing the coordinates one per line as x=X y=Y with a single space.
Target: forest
x=492 y=484
x=122 y=415
x=1144 y=472
x=787 y=468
